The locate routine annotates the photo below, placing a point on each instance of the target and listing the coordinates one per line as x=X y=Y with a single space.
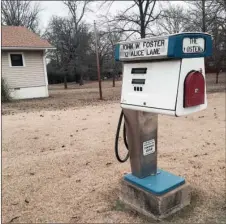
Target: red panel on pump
x=194 y=89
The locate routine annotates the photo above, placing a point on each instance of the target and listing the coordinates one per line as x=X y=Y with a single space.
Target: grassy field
x=58 y=162
x=88 y=94
x=62 y=99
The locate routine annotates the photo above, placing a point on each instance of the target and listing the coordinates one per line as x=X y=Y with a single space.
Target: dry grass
x=88 y=94
x=62 y=99
x=59 y=166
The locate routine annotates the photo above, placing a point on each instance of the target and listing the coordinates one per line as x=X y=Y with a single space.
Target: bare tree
x=59 y=35
x=106 y=39
x=219 y=49
x=202 y=14
x=222 y=3
x=219 y=39
x=104 y=48
x=210 y=16
x=76 y=17
x=71 y=37
x=113 y=38
x=137 y=18
x=69 y=56
x=20 y=13
x=173 y=20
x=73 y=7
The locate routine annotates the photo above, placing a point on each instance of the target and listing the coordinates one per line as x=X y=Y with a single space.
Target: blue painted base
x=158 y=184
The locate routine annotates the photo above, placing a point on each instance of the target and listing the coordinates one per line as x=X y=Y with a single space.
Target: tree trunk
x=113 y=79
x=203 y=16
x=65 y=81
x=142 y=28
x=81 y=82
x=142 y=32
x=142 y=19
x=217 y=76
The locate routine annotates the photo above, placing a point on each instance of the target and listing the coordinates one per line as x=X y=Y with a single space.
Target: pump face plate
x=158 y=184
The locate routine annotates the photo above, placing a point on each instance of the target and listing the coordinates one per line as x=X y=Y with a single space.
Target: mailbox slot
x=194 y=89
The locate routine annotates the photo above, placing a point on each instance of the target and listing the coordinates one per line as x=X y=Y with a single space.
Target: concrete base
x=29 y=92
x=153 y=206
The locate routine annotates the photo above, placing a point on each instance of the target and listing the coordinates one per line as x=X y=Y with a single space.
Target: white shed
x=23 y=62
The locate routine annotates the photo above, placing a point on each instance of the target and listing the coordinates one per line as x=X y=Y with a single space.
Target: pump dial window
x=193 y=45
x=139 y=70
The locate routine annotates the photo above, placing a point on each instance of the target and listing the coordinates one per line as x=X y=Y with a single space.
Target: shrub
x=5 y=91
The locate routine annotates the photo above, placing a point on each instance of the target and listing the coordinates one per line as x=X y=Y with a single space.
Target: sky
x=51 y=8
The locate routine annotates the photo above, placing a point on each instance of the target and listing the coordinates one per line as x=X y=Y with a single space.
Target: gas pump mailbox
x=161 y=75
x=165 y=75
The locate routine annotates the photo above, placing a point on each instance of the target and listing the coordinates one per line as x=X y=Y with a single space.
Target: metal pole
x=142 y=136
x=98 y=62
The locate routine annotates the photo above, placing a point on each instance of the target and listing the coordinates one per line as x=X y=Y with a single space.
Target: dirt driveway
x=59 y=165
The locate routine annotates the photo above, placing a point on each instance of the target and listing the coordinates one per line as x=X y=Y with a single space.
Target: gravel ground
x=59 y=165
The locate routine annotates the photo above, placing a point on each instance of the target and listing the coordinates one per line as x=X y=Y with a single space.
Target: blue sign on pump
x=181 y=45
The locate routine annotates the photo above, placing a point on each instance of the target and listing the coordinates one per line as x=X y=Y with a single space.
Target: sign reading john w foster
x=144 y=48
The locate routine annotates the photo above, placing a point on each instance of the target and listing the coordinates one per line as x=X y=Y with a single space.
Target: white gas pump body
x=154 y=77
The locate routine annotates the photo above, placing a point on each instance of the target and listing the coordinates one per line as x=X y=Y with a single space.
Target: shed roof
x=19 y=37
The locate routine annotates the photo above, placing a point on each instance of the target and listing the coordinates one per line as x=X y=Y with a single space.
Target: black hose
x=124 y=138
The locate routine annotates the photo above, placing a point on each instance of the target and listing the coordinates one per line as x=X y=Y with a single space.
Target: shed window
x=16 y=60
